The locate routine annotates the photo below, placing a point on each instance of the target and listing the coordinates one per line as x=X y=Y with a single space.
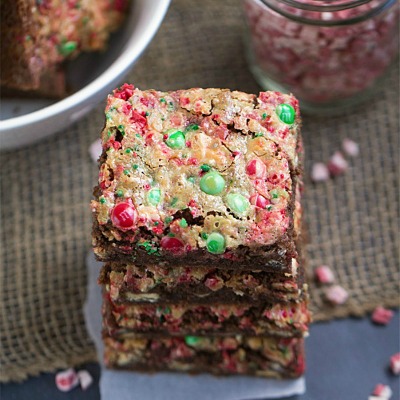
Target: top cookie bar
x=196 y=176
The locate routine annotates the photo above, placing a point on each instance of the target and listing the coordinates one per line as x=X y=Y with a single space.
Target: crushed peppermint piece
x=381 y=316
x=350 y=147
x=395 y=363
x=336 y=294
x=67 y=380
x=337 y=164
x=85 y=379
x=382 y=391
x=319 y=172
x=95 y=150
x=324 y=274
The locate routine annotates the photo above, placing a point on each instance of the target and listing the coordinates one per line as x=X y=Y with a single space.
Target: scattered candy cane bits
x=382 y=392
x=350 y=147
x=67 y=380
x=319 y=172
x=324 y=274
x=95 y=150
x=85 y=379
x=395 y=363
x=381 y=316
x=336 y=295
x=337 y=164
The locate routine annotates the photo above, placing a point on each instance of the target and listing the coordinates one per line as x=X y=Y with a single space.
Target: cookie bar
x=197 y=217
x=260 y=356
x=286 y=320
x=39 y=35
x=196 y=177
x=203 y=285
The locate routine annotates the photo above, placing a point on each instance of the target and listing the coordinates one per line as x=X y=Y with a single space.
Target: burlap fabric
x=46 y=188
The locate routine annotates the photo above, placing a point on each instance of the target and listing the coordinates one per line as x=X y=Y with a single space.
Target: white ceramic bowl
x=24 y=121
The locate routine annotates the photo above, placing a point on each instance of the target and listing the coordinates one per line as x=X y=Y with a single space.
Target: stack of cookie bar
x=197 y=219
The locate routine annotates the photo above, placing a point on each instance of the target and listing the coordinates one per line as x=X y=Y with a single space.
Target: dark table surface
x=346 y=359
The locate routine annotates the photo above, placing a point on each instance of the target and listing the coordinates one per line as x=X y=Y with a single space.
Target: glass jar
x=331 y=54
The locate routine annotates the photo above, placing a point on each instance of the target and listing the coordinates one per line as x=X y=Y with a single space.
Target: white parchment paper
x=119 y=385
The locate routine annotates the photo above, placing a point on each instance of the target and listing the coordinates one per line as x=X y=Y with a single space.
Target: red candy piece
x=124 y=92
x=67 y=380
x=324 y=274
x=256 y=169
x=259 y=201
x=124 y=216
x=382 y=315
x=395 y=363
x=337 y=164
x=382 y=391
x=214 y=283
x=171 y=244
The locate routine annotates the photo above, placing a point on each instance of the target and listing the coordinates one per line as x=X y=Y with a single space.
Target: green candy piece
x=154 y=196
x=286 y=113
x=175 y=139
x=205 y=168
x=67 y=48
x=192 y=340
x=183 y=223
x=212 y=183
x=215 y=243
x=237 y=203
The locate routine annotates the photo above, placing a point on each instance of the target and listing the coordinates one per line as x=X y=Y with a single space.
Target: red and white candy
x=337 y=164
x=319 y=172
x=95 y=150
x=350 y=147
x=67 y=380
x=324 y=274
x=382 y=315
x=256 y=169
x=395 y=363
x=382 y=392
x=85 y=379
x=259 y=201
x=336 y=294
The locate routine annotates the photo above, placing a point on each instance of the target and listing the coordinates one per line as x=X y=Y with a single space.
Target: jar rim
x=327 y=6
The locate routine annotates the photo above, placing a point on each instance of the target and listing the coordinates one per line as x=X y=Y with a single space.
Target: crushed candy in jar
x=318 y=54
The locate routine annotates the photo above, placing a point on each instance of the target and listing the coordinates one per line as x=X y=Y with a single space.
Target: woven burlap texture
x=46 y=189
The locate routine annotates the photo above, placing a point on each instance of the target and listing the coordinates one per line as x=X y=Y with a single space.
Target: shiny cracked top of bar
x=197 y=169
